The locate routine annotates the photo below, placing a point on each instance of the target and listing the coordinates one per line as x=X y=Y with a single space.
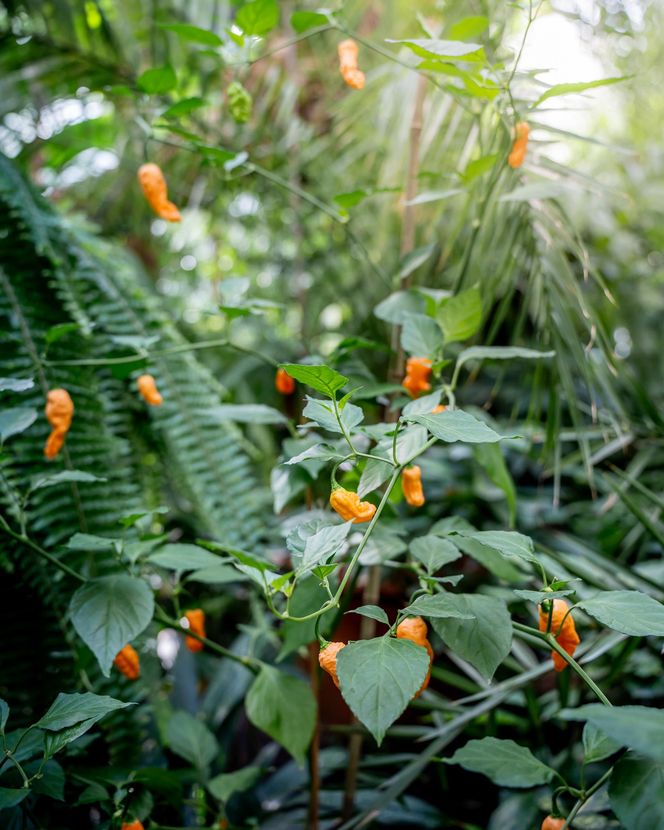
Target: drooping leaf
x=319 y=377
x=421 y=335
x=303 y=20
x=440 y=606
x=576 y=87
x=65 y=477
x=630 y=612
x=71 y=709
x=110 y=612
x=179 y=556
x=500 y=353
x=247 y=413
x=640 y=728
x=456 y=425
x=323 y=414
x=483 y=641
x=636 y=792
x=434 y=552
x=427 y=48
x=373 y=612
x=284 y=707
x=461 y=316
x=505 y=762
x=190 y=738
x=378 y=679
x=596 y=745
x=223 y=786
x=15 y=421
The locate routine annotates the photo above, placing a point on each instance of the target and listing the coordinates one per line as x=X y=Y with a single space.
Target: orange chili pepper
x=348 y=505
x=411 y=483
x=59 y=413
x=196 y=618
x=566 y=636
x=520 y=146
x=284 y=383
x=415 y=630
x=132 y=825
x=418 y=372
x=156 y=192
x=440 y=408
x=147 y=387
x=551 y=823
x=348 y=52
x=327 y=659
x=127 y=662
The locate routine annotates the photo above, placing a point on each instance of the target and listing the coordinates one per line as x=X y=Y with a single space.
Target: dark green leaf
x=374 y=612
x=179 y=556
x=223 y=786
x=638 y=727
x=505 y=762
x=65 y=477
x=434 y=552
x=636 y=792
x=189 y=738
x=629 y=612
x=456 y=425
x=14 y=421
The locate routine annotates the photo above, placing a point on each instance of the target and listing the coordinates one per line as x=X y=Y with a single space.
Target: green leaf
x=183 y=107
x=157 y=81
x=65 y=477
x=479 y=167
x=500 y=353
x=301 y=21
x=506 y=763
x=579 y=86
x=59 y=331
x=259 y=17
x=312 y=543
x=85 y=541
x=636 y=792
x=440 y=606
x=434 y=552
x=629 y=612
x=393 y=309
x=507 y=543
x=193 y=33
x=469 y=27
x=421 y=335
x=16 y=384
x=596 y=745
x=637 y=727
x=4 y=714
x=373 y=612
x=413 y=260
x=284 y=707
x=351 y=199
x=179 y=556
x=322 y=413
x=373 y=475
x=14 y=421
x=223 y=786
x=489 y=559
x=190 y=738
x=456 y=425
x=52 y=781
x=484 y=641
x=490 y=457
x=218 y=575
x=426 y=47
x=10 y=797
x=72 y=709
x=461 y=316
x=247 y=413
x=110 y=612
x=308 y=596
x=541 y=596
x=319 y=377
x=379 y=677
x=423 y=405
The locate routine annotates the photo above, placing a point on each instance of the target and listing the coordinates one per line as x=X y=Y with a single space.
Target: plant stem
x=587 y=794
x=248 y=662
x=551 y=641
x=20 y=537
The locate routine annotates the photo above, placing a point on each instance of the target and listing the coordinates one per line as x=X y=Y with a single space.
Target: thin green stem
x=343 y=429
x=316 y=30
x=248 y=662
x=43 y=553
x=586 y=795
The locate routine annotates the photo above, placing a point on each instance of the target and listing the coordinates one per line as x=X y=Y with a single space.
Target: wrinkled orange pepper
x=59 y=413
x=132 y=825
x=156 y=192
x=551 y=823
x=147 y=387
x=348 y=505
x=127 y=662
x=411 y=483
x=418 y=372
x=327 y=659
x=348 y=52
x=415 y=630
x=566 y=636
x=520 y=146
x=196 y=619
x=284 y=383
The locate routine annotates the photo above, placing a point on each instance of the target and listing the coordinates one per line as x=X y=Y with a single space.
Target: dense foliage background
x=323 y=225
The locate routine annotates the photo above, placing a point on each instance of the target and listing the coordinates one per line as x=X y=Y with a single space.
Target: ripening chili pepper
x=440 y=408
x=127 y=662
x=348 y=505
x=520 y=146
x=411 y=483
x=132 y=825
x=284 y=383
x=147 y=387
x=155 y=189
x=551 y=823
x=348 y=52
x=59 y=413
x=327 y=659
x=566 y=636
x=196 y=619
x=415 y=630
x=418 y=372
